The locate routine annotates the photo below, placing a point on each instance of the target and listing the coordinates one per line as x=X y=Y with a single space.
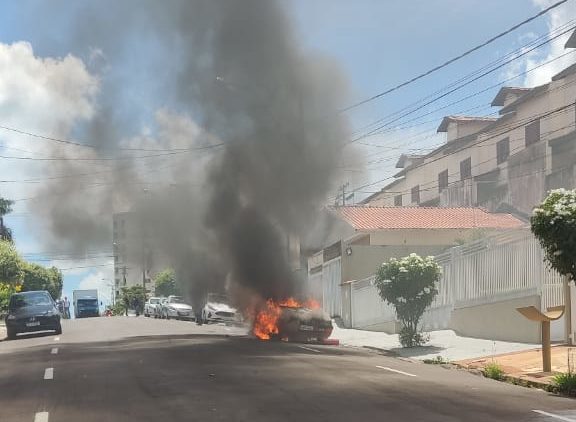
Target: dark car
x=303 y=324
x=30 y=312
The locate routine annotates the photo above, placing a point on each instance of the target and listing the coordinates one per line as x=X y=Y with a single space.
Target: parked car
x=30 y=312
x=176 y=308
x=218 y=309
x=150 y=307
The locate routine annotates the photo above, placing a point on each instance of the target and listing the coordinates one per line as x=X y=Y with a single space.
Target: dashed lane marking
x=41 y=417
x=554 y=416
x=399 y=372
x=309 y=349
x=49 y=374
x=54 y=351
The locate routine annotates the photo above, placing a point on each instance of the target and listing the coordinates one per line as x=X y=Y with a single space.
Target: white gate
x=331 y=291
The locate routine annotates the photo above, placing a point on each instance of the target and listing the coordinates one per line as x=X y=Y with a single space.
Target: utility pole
x=343 y=194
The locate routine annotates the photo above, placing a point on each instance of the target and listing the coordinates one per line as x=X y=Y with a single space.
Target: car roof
x=31 y=292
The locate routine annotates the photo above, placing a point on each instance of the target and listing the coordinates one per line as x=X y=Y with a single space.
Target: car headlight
x=11 y=317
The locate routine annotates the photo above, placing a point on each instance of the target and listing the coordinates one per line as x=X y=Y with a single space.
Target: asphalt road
x=137 y=369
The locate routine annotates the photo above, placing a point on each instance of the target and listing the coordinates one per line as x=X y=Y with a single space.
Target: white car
x=151 y=306
x=218 y=309
x=176 y=308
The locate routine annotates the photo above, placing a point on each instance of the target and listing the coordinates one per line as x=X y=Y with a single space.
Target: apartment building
x=133 y=256
x=505 y=163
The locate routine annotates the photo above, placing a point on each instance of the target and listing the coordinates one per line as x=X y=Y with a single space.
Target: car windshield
x=87 y=303
x=176 y=299
x=30 y=299
x=154 y=301
x=216 y=298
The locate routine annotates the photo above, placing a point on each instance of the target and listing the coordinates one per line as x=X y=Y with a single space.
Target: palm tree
x=5 y=208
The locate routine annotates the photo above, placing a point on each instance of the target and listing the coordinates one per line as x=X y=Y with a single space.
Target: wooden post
x=546 y=352
x=567 y=311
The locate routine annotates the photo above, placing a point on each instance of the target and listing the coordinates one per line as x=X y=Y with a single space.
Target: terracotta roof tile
x=390 y=218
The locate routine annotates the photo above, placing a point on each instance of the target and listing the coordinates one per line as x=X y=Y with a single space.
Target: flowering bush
x=554 y=224
x=409 y=284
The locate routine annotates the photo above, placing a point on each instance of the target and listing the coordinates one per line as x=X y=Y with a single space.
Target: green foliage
x=5 y=208
x=409 y=284
x=6 y=290
x=11 y=265
x=554 y=224
x=438 y=360
x=165 y=282
x=37 y=277
x=494 y=371
x=132 y=298
x=565 y=383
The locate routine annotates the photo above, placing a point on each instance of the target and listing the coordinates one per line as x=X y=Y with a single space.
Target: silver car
x=175 y=307
x=151 y=307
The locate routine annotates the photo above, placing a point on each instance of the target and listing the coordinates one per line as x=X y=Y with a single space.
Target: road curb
x=522 y=382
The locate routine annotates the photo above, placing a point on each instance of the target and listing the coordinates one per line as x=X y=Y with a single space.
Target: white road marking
x=310 y=349
x=41 y=417
x=56 y=338
x=54 y=351
x=49 y=374
x=552 y=415
x=397 y=371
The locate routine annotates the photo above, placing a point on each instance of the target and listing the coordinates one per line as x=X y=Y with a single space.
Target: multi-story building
x=507 y=163
x=132 y=253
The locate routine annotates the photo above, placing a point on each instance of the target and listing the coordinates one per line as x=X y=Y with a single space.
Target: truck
x=86 y=303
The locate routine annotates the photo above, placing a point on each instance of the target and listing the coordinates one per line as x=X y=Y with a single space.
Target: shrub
x=409 y=284
x=438 y=360
x=493 y=370
x=565 y=383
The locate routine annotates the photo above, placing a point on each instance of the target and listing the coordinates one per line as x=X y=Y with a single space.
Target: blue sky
x=377 y=43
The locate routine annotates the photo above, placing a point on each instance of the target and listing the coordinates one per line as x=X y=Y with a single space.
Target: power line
x=435 y=185
x=454 y=59
x=468 y=82
x=479 y=141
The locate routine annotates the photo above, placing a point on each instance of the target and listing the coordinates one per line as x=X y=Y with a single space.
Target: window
x=465 y=169
x=442 y=180
x=398 y=201
x=416 y=194
x=502 y=150
x=532 y=133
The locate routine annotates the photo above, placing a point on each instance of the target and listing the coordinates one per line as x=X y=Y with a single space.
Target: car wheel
x=59 y=329
x=11 y=334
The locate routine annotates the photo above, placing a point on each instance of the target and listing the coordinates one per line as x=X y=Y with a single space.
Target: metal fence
x=489 y=270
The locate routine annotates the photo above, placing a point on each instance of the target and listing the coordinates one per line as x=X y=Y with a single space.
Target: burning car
x=292 y=321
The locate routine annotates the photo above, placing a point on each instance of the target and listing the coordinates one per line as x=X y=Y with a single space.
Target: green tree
x=11 y=265
x=165 y=282
x=409 y=284
x=5 y=208
x=37 y=277
x=132 y=298
x=553 y=223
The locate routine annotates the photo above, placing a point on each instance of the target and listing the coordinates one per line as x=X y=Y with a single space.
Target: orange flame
x=266 y=317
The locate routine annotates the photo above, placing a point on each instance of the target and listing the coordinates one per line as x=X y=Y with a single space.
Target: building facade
x=507 y=163
x=133 y=255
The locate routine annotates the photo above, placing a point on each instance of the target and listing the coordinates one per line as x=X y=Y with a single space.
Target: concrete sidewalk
x=527 y=365
x=444 y=343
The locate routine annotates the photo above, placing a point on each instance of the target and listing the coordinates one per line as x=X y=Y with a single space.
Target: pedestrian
x=66 y=307
x=126 y=304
